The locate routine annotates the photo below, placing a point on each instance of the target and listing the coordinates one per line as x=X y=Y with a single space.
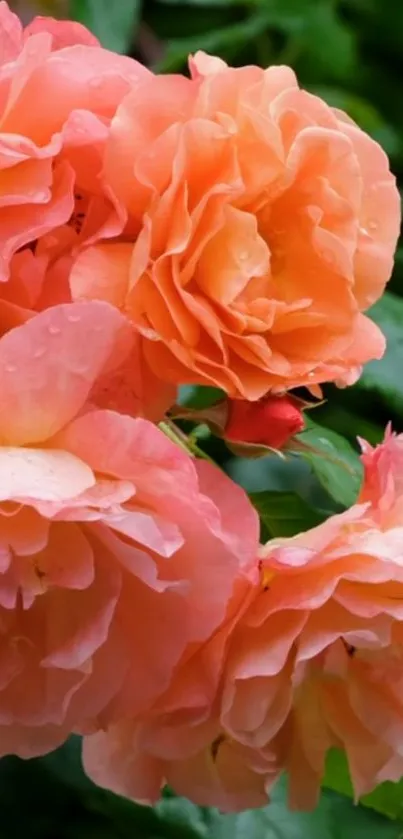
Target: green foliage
x=284 y=513
x=386 y=799
x=383 y=379
x=334 y=461
x=50 y=798
x=113 y=22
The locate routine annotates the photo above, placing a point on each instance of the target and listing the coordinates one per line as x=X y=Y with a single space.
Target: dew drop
x=10 y=368
x=79 y=369
x=76 y=121
x=311 y=374
x=54 y=330
x=324 y=442
x=40 y=196
x=40 y=352
x=95 y=83
x=73 y=318
x=243 y=255
x=372 y=225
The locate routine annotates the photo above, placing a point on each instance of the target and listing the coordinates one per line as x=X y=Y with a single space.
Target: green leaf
x=334 y=461
x=328 y=44
x=288 y=475
x=194 y=396
x=218 y=42
x=337 y=775
x=284 y=513
x=348 y=423
x=50 y=798
x=384 y=378
x=113 y=21
x=209 y=3
x=336 y=817
x=387 y=798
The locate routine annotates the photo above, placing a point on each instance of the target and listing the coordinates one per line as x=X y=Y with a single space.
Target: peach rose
x=117 y=551
x=54 y=200
x=59 y=91
x=311 y=658
x=317 y=660
x=261 y=223
x=179 y=739
x=383 y=474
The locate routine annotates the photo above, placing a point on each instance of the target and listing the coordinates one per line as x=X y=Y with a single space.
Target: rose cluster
x=226 y=229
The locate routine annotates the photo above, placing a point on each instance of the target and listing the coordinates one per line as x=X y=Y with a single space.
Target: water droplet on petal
x=54 y=330
x=73 y=318
x=39 y=352
x=243 y=255
x=41 y=196
x=10 y=368
x=95 y=83
x=372 y=224
x=78 y=368
x=76 y=122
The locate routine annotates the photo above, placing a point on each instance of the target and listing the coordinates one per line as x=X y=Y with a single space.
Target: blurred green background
x=350 y=52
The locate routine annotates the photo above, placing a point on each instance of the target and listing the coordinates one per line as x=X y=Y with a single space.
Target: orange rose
x=261 y=223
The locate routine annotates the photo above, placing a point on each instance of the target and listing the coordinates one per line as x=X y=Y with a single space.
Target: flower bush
x=227 y=229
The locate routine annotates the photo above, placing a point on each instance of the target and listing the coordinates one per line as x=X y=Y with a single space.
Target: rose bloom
x=58 y=92
x=53 y=198
x=311 y=659
x=179 y=739
x=317 y=660
x=117 y=550
x=261 y=224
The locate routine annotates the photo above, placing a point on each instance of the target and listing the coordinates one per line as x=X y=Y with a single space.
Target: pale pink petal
x=10 y=34
x=64 y=33
x=42 y=475
x=49 y=365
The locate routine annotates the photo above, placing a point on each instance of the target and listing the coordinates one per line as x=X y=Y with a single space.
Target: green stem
x=185 y=441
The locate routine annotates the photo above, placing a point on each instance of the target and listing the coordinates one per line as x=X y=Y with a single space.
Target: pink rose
x=118 y=552
x=316 y=661
x=59 y=91
x=179 y=739
x=307 y=659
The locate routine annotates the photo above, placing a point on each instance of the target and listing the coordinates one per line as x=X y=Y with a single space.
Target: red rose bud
x=270 y=422
x=251 y=429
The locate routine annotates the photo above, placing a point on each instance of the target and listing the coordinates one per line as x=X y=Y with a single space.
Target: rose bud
x=269 y=422
x=251 y=429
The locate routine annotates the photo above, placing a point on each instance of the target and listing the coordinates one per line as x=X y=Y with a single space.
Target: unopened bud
x=269 y=422
x=251 y=429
